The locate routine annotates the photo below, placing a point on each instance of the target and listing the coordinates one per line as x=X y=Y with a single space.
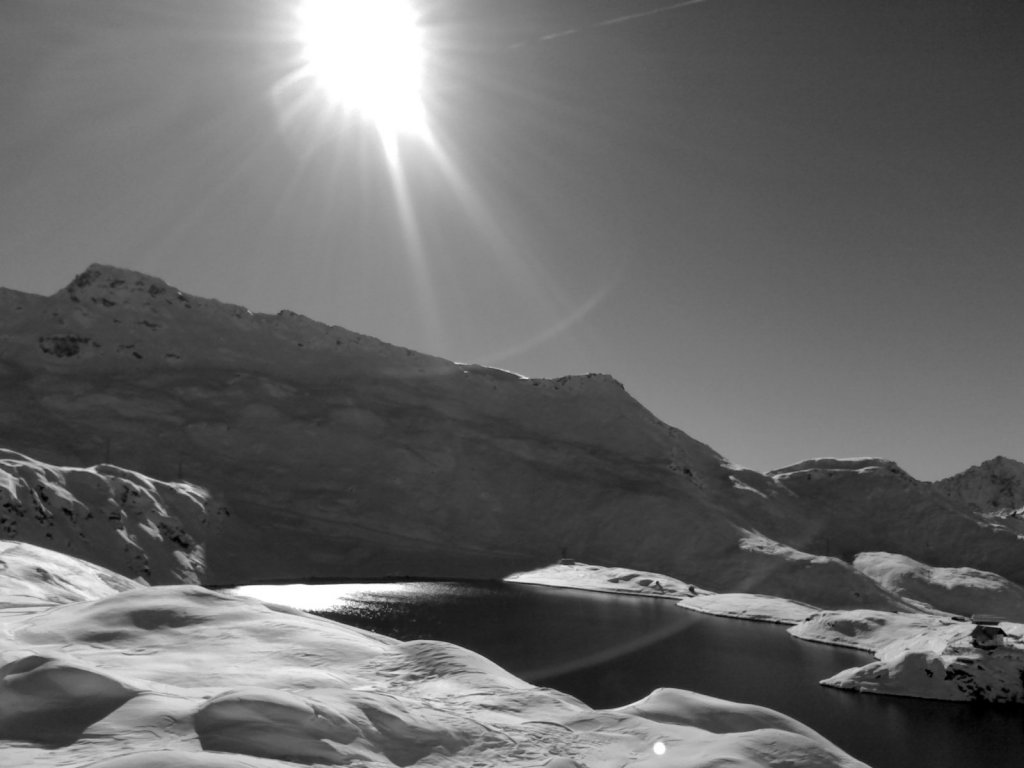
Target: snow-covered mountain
x=341 y=455
x=107 y=515
x=867 y=505
x=961 y=591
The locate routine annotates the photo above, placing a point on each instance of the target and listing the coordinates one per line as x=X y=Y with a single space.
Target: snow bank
x=964 y=591
x=155 y=677
x=765 y=731
x=31 y=575
x=670 y=705
x=922 y=656
x=738 y=605
x=923 y=653
x=51 y=701
x=868 y=630
x=788 y=580
x=831 y=573
x=570 y=574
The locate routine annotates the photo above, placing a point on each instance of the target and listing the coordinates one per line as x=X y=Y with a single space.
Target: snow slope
x=569 y=574
x=872 y=505
x=964 y=591
x=926 y=657
x=34 y=576
x=121 y=519
x=343 y=456
x=153 y=677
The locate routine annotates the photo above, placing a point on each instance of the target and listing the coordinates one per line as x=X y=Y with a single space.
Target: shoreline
x=934 y=656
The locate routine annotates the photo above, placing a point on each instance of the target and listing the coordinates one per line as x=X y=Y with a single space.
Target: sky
x=791 y=228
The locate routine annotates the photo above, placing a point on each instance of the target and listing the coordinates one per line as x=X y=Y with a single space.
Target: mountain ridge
x=341 y=455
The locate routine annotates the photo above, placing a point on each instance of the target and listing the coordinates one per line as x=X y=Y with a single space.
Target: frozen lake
x=609 y=650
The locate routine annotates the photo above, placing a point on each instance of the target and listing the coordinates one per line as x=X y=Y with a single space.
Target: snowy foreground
x=925 y=653
x=99 y=671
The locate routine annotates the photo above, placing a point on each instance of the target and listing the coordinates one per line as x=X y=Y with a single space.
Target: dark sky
x=791 y=228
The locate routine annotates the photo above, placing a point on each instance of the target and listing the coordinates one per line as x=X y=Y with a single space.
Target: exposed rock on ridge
x=994 y=488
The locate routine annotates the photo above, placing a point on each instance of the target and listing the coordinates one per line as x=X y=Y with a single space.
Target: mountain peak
x=97 y=272
x=109 y=285
x=996 y=466
x=830 y=466
x=1003 y=463
x=996 y=485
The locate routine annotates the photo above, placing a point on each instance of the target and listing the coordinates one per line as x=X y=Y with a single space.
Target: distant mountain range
x=340 y=456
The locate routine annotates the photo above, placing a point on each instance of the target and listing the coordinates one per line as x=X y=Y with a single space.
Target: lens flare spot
x=659 y=748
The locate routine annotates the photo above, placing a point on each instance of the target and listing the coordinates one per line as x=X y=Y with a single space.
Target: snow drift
x=153 y=677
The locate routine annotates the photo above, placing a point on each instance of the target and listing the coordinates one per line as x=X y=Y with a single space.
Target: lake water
x=609 y=650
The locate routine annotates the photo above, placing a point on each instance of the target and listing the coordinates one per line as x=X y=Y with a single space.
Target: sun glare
x=367 y=56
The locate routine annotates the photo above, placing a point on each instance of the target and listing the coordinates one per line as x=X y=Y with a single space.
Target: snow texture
x=925 y=657
x=155 y=677
x=569 y=574
x=123 y=520
x=964 y=591
x=736 y=605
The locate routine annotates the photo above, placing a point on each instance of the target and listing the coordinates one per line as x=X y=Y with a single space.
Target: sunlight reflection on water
x=518 y=626
x=324 y=597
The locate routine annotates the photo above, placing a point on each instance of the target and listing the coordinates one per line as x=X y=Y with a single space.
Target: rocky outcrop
x=994 y=488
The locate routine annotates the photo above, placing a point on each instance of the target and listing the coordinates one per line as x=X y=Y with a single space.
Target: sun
x=368 y=57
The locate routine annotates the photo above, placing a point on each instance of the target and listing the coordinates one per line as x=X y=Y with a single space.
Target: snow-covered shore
x=113 y=674
x=928 y=657
x=569 y=574
x=925 y=654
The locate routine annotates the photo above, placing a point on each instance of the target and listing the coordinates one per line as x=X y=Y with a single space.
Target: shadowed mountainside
x=342 y=456
x=113 y=517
